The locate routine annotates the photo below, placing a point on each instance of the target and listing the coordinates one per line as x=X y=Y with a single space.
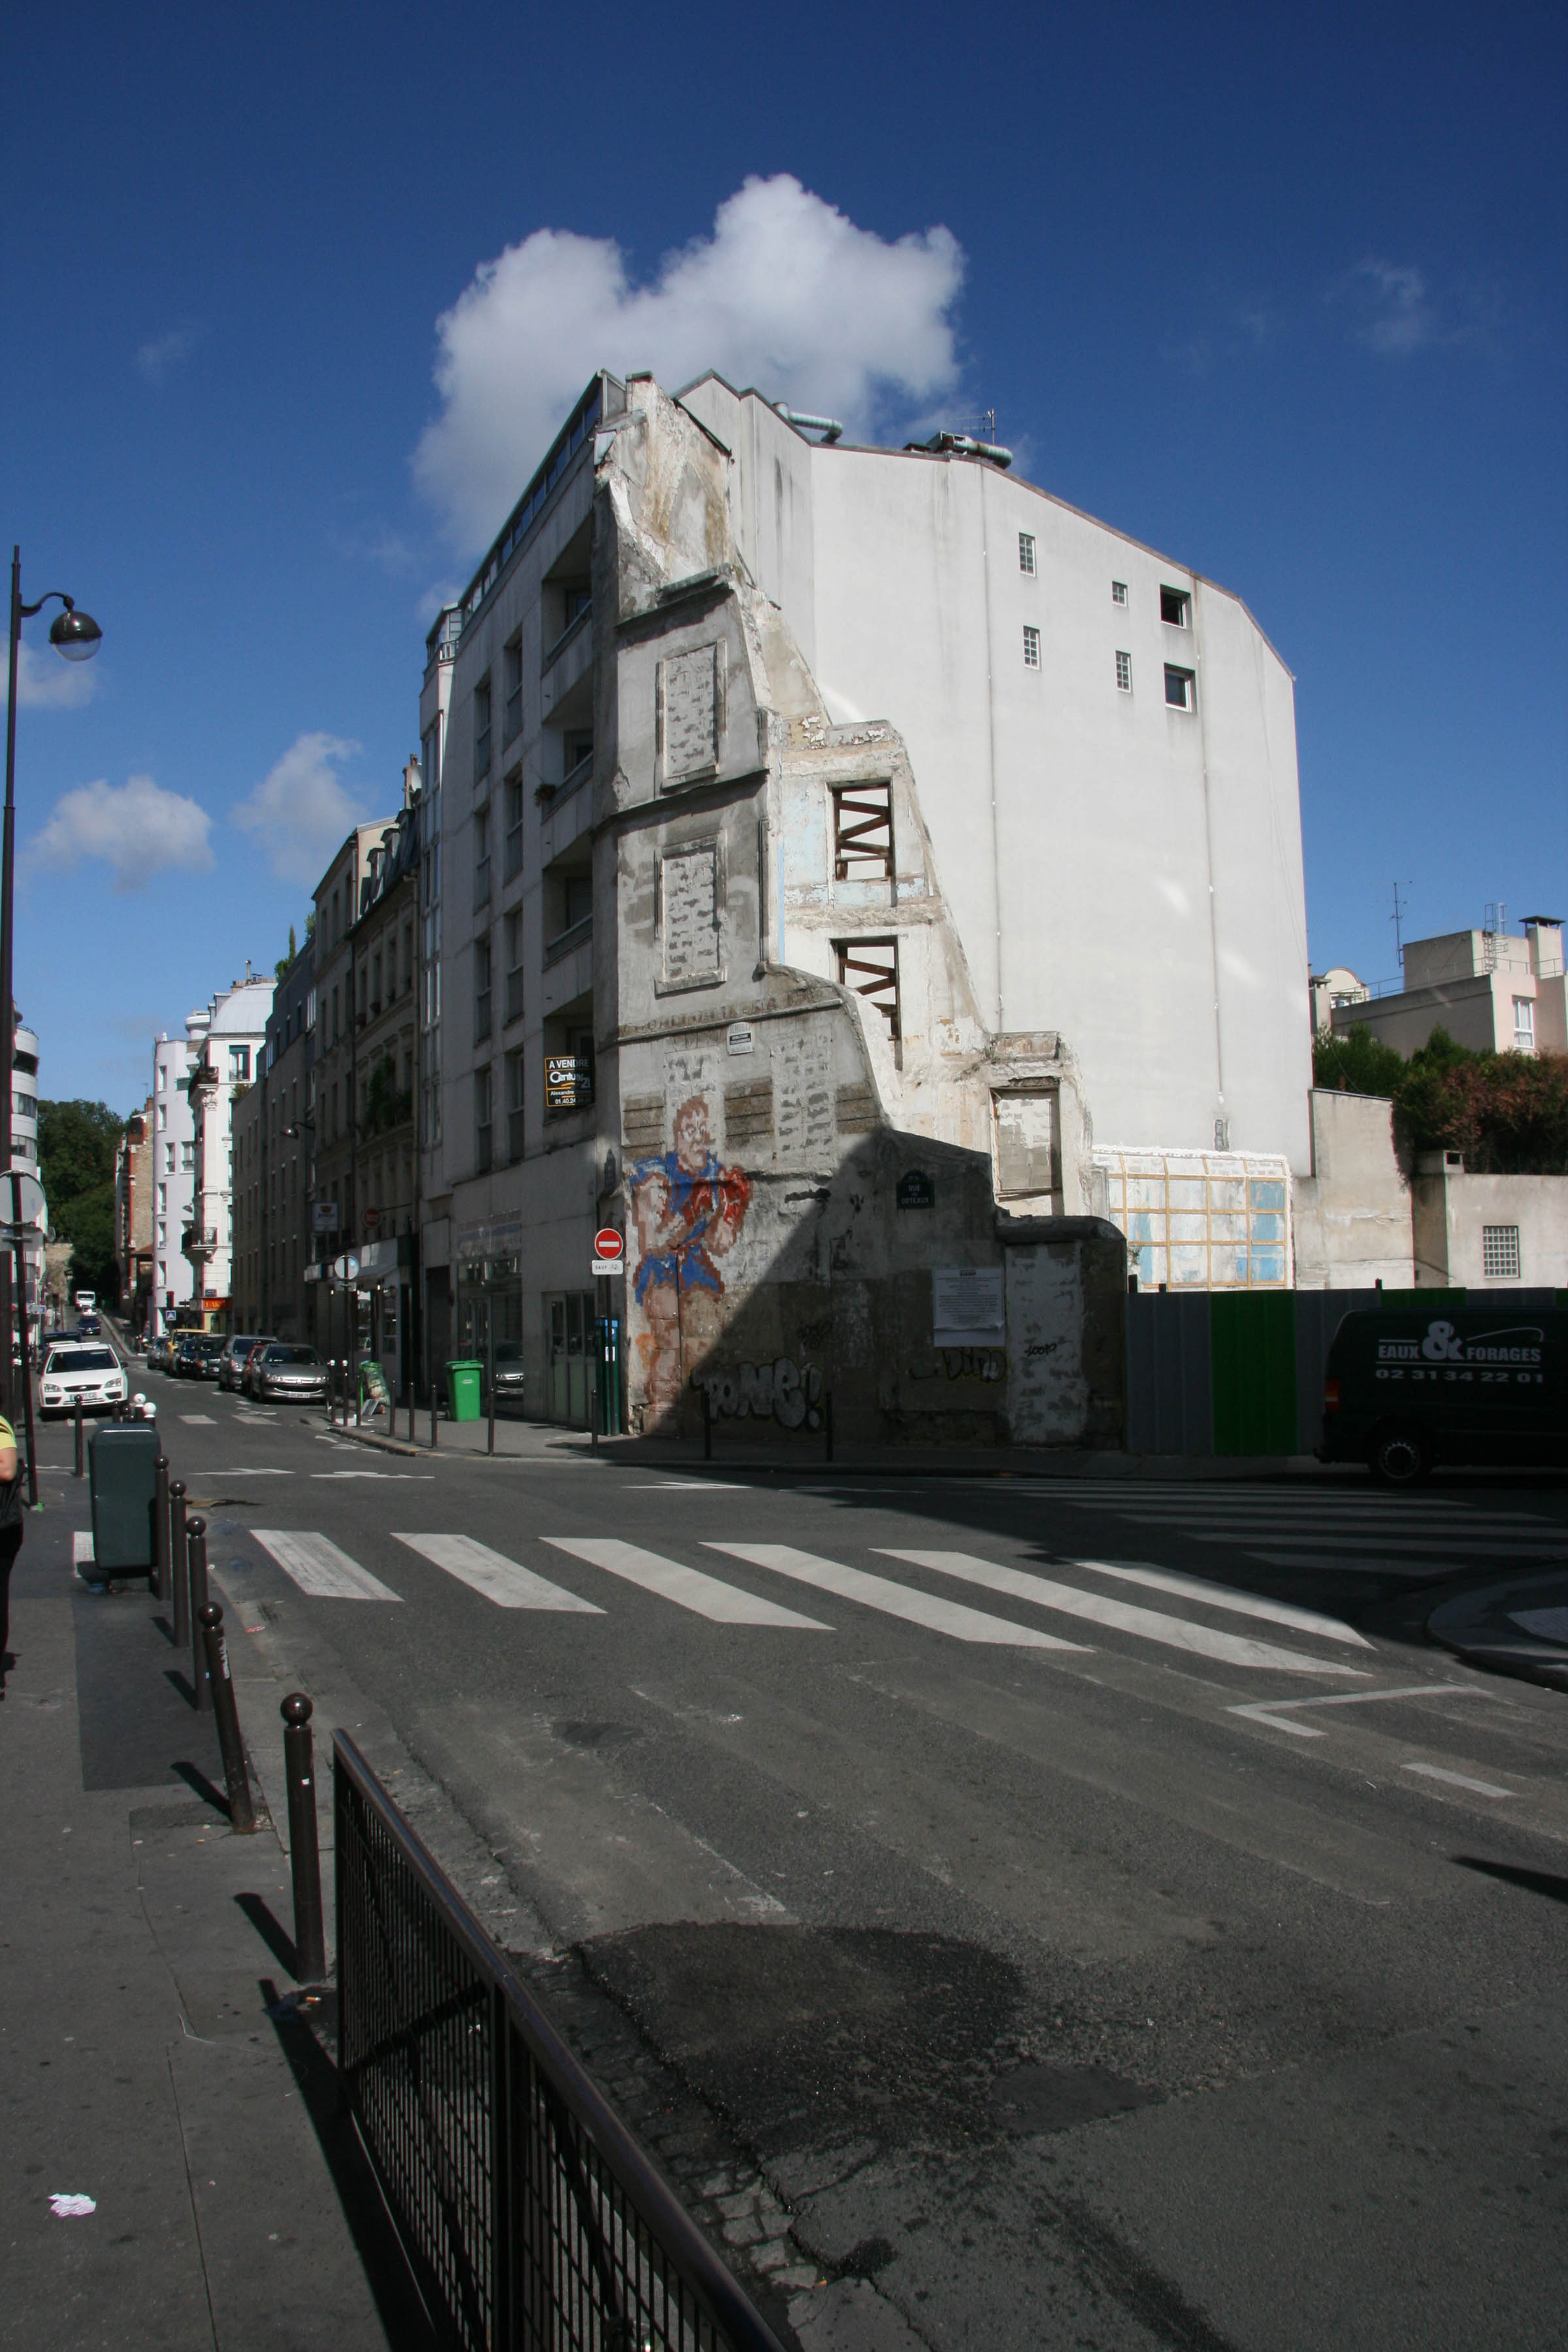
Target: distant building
x=174 y=1171
x=236 y=1028
x=1491 y=991
x=133 y=1195
x=1331 y=988
x=272 y=1143
x=25 y=1152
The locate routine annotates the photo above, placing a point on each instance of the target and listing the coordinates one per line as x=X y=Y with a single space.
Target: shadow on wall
x=890 y=1284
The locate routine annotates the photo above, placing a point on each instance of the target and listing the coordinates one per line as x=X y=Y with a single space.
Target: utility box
x=123 y=1474
x=464 y=1389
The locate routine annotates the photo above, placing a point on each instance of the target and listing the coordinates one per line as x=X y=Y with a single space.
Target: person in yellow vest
x=10 y=1536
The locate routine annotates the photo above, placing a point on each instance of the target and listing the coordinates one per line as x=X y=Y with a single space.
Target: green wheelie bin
x=122 y=1459
x=465 y=1377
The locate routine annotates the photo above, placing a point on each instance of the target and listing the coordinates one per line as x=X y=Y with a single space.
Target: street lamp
x=76 y=637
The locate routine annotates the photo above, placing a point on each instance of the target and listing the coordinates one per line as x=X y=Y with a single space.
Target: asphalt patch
x=804 y=2034
x=1032 y=2098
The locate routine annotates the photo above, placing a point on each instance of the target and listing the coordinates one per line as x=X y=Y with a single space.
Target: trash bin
x=122 y=1474
x=465 y=1380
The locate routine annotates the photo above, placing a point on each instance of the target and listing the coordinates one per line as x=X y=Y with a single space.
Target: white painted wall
x=172 y=1179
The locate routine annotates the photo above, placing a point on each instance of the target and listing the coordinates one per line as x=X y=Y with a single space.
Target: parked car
x=508 y=1372
x=231 y=1363
x=160 y=1353
x=282 y=1372
x=252 y=1363
x=95 y=1375
x=196 y=1358
x=1403 y=1390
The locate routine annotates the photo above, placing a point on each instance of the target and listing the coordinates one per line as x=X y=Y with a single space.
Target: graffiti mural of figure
x=688 y=1211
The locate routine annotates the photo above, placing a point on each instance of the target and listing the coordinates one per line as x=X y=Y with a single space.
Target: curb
x=1482 y=1627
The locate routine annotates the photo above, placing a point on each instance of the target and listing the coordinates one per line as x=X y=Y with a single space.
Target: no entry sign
x=609 y=1250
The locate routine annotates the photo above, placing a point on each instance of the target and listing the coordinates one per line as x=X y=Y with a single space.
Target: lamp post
x=77 y=637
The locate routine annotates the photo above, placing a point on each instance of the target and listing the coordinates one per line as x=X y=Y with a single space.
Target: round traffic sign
x=23 y=1191
x=607 y=1242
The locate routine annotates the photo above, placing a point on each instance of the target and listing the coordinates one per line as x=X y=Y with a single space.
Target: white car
x=96 y=1375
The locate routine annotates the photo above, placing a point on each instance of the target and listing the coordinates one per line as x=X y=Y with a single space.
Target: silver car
x=283 y=1373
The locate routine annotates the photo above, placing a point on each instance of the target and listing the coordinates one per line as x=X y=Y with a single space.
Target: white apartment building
x=1494 y=991
x=173 y=1170
x=25 y=1152
x=792 y=799
x=224 y=1065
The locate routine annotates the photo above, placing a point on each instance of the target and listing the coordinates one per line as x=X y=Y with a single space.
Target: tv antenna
x=1396 y=919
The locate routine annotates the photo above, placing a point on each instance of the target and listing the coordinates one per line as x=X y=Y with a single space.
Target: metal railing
x=532 y=2219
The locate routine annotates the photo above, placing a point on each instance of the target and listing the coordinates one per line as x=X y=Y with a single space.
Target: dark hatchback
x=196 y=1359
x=1404 y=1390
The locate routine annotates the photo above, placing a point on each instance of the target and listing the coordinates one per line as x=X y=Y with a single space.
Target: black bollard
x=81 y=1467
x=161 y=1527
x=196 y=1571
x=241 y=1807
x=304 y=1847
x=178 y=1576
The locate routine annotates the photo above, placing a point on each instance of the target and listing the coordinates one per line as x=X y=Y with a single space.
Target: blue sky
x=1280 y=293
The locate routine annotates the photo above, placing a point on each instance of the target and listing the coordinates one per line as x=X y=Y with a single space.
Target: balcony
x=568 y=941
x=199 y=1240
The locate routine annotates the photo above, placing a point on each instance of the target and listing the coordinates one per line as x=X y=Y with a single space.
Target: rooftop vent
x=962 y=444
x=829 y=426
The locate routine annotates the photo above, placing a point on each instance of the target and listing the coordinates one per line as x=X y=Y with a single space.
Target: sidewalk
x=154 y=2059
x=1519 y=1628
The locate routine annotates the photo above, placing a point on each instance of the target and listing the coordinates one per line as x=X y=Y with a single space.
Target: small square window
x=1118 y=591
x=1500 y=1253
x=1524 y=1024
x=1027 y=552
x=1031 y=648
x=1180 y=688
x=1174 y=604
x=1124 y=672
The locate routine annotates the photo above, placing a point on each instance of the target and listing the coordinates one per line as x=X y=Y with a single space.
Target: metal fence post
x=196 y=1572
x=241 y=1808
x=76 y=1472
x=178 y=1575
x=304 y=1844
x=161 y=1527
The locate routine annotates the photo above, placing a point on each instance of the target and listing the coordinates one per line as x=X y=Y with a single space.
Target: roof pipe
x=829 y=426
x=962 y=444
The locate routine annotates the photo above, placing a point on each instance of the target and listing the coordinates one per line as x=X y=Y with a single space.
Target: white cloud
x=137 y=829
x=786 y=294
x=160 y=354
x=299 y=812
x=46 y=682
x=1395 y=316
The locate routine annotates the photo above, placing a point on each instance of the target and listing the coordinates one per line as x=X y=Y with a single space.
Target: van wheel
x=1400 y=1458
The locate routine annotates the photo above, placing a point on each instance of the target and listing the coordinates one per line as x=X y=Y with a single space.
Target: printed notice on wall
x=968 y=1307
x=688 y=712
x=689 y=887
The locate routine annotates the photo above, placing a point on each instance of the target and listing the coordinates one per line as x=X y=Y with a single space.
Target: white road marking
x=1225 y=1596
x=199 y=1420
x=1456 y=1779
x=251 y=1470
x=705 y=1596
x=425 y=1474
x=691 y=1486
x=1149 y=1625
x=905 y=1601
x=1272 y=1711
x=320 y=1568
x=82 y=1547
x=499 y=1578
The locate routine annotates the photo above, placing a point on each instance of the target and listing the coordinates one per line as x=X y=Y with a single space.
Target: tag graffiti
x=784 y=1391
x=961 y=1364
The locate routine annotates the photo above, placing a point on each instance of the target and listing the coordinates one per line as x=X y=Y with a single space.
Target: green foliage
x=383 y=1105
x=77 y=1143
x=283 y=962
x=1508 y=1113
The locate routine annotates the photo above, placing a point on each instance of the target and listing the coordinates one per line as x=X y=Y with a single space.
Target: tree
x=76 y=1146
x=283 y=962
x=1359 y=1064
x=1508 y=1113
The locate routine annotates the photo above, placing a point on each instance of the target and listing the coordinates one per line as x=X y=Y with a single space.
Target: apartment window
x=163 y=1115
x=1118 y=591
x=1180 y=688
x=169 y=1159
x=511 y=672
x=870 y=967
x=1500 y=1253
x=482 y=989
x=484 y=1093
x=1174 y=605
x=482 y=732
x=1026 y=552
x=1031 y=647
x=514 y=1092
x=1524 y=1024
x=579 y=758
x=863 y=834
x=513 y=935
x=188 y=1153
x=1124 y=672
x=481 y=857
x=512 y=793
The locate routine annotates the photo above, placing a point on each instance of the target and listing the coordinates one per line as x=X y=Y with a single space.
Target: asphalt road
x=1096 y=1911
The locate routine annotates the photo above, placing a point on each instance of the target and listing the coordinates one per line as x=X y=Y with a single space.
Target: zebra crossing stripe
x=907 y=1601
x=320 y=1568
x=1149 y=1625
x=705 y=1596
x=1225 y=1596
x=499 y=1578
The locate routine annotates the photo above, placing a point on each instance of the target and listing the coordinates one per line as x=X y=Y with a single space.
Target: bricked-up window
x=863 y=833
x=1500 y=1253
x=870 y=967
